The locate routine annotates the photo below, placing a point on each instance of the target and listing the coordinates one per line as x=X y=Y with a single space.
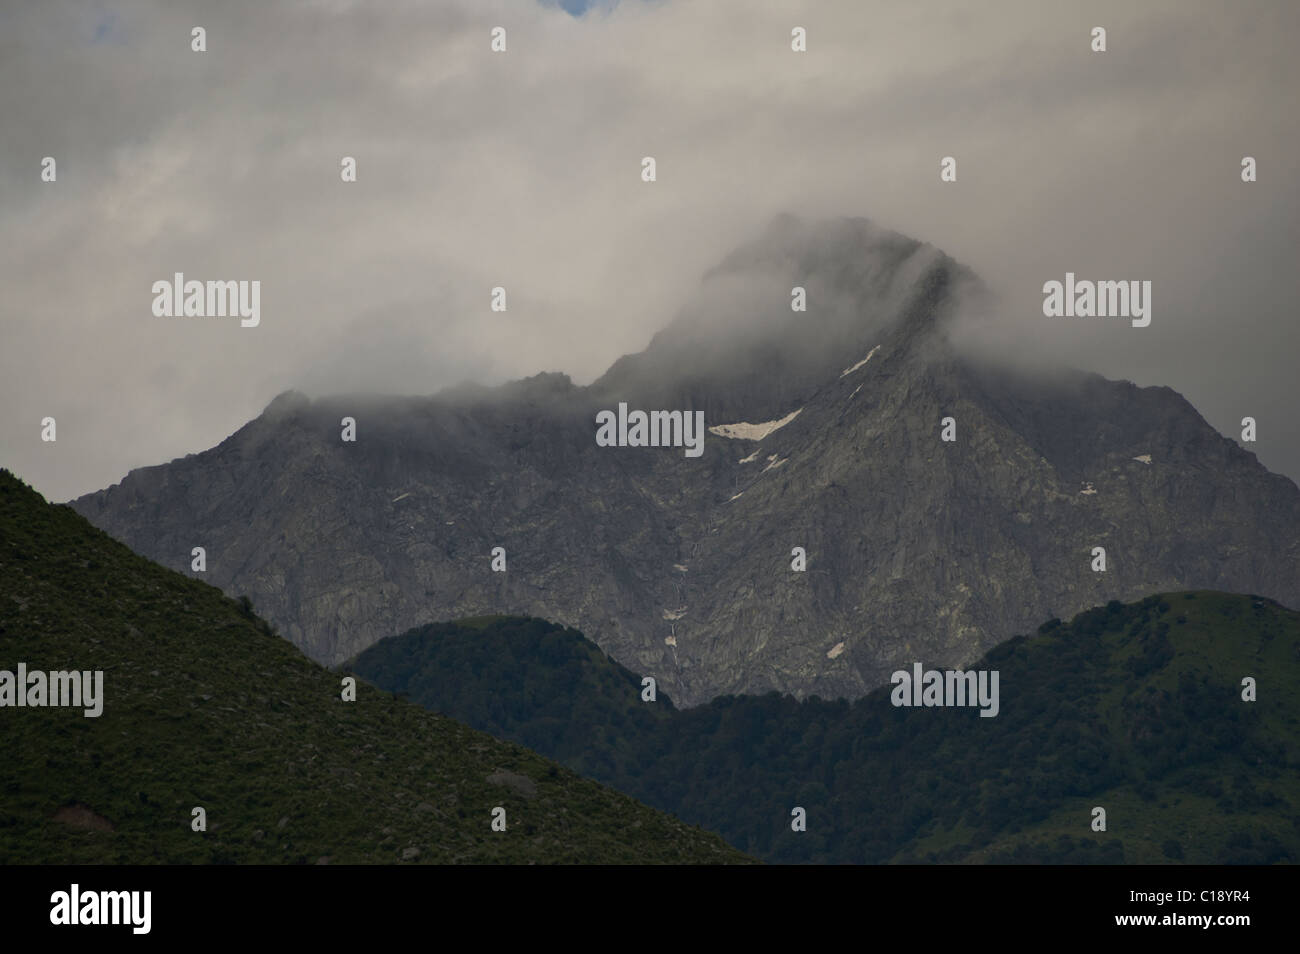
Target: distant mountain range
x=1136 y=709
x=825 y=433
x=204 y=707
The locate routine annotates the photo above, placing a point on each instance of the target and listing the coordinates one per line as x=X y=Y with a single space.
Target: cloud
x=577 y=8
x=523 y=170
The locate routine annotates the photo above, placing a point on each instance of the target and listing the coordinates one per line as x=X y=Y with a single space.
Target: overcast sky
x=522 y=169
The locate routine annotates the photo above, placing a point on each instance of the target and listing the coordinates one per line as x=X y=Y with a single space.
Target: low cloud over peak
x=522 y=170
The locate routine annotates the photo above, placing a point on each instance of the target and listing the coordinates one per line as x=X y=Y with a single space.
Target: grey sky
x=523 y=170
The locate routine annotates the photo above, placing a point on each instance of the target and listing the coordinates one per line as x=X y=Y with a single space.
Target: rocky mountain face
x=824 y=434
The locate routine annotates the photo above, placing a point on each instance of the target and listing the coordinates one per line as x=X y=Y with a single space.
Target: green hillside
x=1134 y=708
x=205 y=707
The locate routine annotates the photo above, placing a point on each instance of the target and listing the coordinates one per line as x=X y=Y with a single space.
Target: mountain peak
x=782 y=315
x=789 y=241
x=918 y=546
x=286 y=403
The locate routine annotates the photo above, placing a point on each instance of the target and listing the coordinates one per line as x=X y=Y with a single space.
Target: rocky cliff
x=824 y=434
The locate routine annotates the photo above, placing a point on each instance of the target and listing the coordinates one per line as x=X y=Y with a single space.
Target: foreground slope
x=205 y=707
x=1134 y=708
x=681 y=567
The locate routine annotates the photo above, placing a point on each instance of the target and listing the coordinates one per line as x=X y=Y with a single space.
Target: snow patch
x=774 y=463
x=678 y=566
x=752 y=432
x=750 y=459
x=737 y=497
x=1087 y=488
x=855 y=392
x=670 y=640
x=405 y=495
x=675 y=614
x=1145 y=458
x=835 y=650
x=848 y=371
